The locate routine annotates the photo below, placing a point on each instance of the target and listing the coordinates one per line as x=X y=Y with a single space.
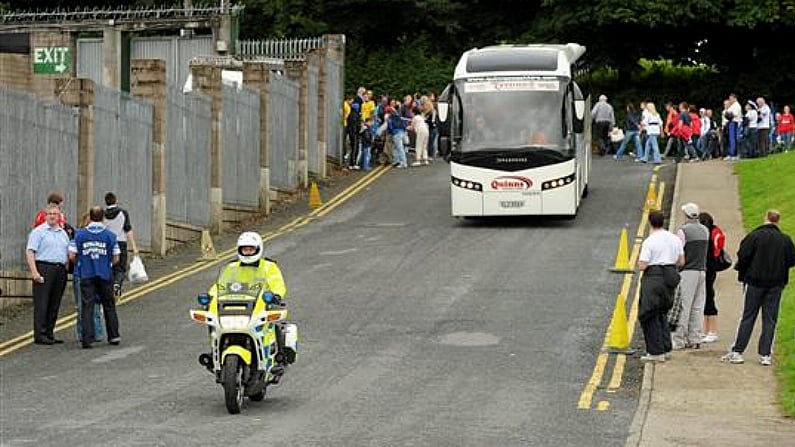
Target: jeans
x=364 y=156
x=433 y=143
x=398 y=151
x=732 y=139
x=633 y=135
x=786 y=140
x=768 y=299
x=99 y=329
x=652 y=147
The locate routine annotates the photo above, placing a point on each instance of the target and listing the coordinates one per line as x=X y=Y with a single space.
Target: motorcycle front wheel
x=232 y=380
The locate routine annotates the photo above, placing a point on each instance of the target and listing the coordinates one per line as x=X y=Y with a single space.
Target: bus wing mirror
x=445 y=147
x=579 y=116
x=444 y=110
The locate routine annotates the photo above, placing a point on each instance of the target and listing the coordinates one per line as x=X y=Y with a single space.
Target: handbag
x=723 y=261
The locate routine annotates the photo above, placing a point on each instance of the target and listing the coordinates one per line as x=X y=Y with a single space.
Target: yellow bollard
x=618 y=340
x=208 y=250
x=315 y=201
x=622 y=258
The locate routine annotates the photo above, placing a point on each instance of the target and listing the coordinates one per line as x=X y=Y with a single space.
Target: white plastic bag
x=137 y=271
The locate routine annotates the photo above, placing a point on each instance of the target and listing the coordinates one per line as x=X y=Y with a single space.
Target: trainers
x=653 y=358
x=765 y=360
x=416 y=163
x=117 y=290
x=710 y=338
x=677 y=347
x=733 y=357
x=114 y=341
x=667 y=356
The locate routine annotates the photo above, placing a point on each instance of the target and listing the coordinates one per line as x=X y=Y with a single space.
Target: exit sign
x=52 y=60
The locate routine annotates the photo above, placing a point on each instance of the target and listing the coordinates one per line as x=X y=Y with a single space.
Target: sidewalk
x=695 y=400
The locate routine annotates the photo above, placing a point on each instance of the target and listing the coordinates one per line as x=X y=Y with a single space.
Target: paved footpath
x=695 y=400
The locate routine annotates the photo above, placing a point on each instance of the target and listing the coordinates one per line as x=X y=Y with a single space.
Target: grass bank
x=770 y=183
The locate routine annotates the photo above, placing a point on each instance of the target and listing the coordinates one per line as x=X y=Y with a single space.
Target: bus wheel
x=585 y=192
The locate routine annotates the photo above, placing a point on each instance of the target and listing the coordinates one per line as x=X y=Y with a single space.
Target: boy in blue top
x=96 y=250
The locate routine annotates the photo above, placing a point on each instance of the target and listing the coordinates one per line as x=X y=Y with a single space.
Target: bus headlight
x=466 y=184
x=557 y=183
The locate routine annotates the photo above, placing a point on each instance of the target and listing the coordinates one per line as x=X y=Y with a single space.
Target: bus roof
x=518 y=60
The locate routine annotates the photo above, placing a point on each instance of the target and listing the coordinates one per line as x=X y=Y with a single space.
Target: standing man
x=660 y=255
x=96 y=251
x=46 y=255
x=735 y=116
x=117 y=221
x=764 y=122
x=604 y=118
x=763 y=262
x=695 y=238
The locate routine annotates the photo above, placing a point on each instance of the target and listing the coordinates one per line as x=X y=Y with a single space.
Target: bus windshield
x=504 y=114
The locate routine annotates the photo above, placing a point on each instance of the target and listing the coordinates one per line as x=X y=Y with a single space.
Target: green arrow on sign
x=52 y=60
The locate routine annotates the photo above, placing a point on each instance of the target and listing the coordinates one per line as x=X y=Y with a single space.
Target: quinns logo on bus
x=511 y=183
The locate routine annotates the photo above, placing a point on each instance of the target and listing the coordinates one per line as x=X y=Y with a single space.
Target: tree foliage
x=415 y=43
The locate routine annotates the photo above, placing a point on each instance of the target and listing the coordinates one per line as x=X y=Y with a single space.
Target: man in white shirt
x=660 y=254
x=763 y=126
x=735 y=114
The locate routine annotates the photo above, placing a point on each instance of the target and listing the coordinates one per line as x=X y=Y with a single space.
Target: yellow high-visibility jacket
x=266 y=271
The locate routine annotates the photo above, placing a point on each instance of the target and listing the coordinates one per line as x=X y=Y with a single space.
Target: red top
x=786 y=124
x=671 y=120
x=695 y=124
x=718 y=240
x=41 y=217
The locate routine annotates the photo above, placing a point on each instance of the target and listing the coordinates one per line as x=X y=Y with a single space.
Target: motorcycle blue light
x=203 y=299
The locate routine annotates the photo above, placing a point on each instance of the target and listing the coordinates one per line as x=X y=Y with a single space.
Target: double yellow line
x=586 y=397
x=68 y=321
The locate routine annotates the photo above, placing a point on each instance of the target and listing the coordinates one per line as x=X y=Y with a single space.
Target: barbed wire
x=107 y=14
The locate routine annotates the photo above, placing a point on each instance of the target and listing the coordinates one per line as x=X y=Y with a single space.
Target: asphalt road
x=416 y=329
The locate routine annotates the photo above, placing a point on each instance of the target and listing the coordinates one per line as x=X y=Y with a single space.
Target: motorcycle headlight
x=235 y=321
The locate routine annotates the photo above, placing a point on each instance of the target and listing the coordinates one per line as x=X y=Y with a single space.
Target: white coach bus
x=514 y=125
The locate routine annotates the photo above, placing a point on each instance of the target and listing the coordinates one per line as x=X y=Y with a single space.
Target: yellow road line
x=586 y=397
x=68 y=321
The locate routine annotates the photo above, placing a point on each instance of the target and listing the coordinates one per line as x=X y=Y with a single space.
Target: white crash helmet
x=249 y=239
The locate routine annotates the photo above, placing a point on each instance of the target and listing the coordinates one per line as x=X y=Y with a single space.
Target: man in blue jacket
x=96 y=250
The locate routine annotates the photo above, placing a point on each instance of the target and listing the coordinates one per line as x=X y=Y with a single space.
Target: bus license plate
x=511 y=203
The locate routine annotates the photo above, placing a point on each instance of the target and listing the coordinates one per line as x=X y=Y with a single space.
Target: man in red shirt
x=53 y=199
x=786 y=128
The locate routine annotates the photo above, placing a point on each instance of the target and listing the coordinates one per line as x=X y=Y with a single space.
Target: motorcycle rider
x=253 y=268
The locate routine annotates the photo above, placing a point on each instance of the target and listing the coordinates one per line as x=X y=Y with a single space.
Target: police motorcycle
x=244 y=321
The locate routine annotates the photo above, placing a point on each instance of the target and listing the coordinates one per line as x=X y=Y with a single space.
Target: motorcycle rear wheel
x=232 y=380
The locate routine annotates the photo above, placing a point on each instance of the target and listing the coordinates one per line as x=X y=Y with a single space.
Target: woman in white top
x=652 y=123
x=420 y=128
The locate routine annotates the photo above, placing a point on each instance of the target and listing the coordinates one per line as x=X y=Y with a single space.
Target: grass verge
x=770 y=183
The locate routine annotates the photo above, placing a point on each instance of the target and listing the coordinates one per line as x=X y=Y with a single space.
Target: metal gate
x=283 y=132
x=334 y=96
x=241 y=138
x=188 y=136
x=123 y=156
x=38 y=155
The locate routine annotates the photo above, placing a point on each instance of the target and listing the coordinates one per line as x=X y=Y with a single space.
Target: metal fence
x=123 y=156
x=287 y=49
x=283 y=132
x=334 y=97
x=188 y=149
x=240 y=127
x=176 y=51
x=38 y=155
x=314 y=160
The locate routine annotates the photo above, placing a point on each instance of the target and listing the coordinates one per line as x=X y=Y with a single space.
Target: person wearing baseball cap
x=695 y=238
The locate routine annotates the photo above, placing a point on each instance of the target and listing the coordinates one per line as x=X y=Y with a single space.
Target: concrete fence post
x=256 y=75
x=207 y=79
x=79 y=93
x=297 y=71
x=148 y=81
x=316 y=59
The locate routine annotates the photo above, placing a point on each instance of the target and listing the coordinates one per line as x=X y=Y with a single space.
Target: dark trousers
x=768 y=299
x=47 y=299
x=656 y=334
x=101 y=288
x=764 y=141
x=120 y=268
x=710 y=309
x=602 y=129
